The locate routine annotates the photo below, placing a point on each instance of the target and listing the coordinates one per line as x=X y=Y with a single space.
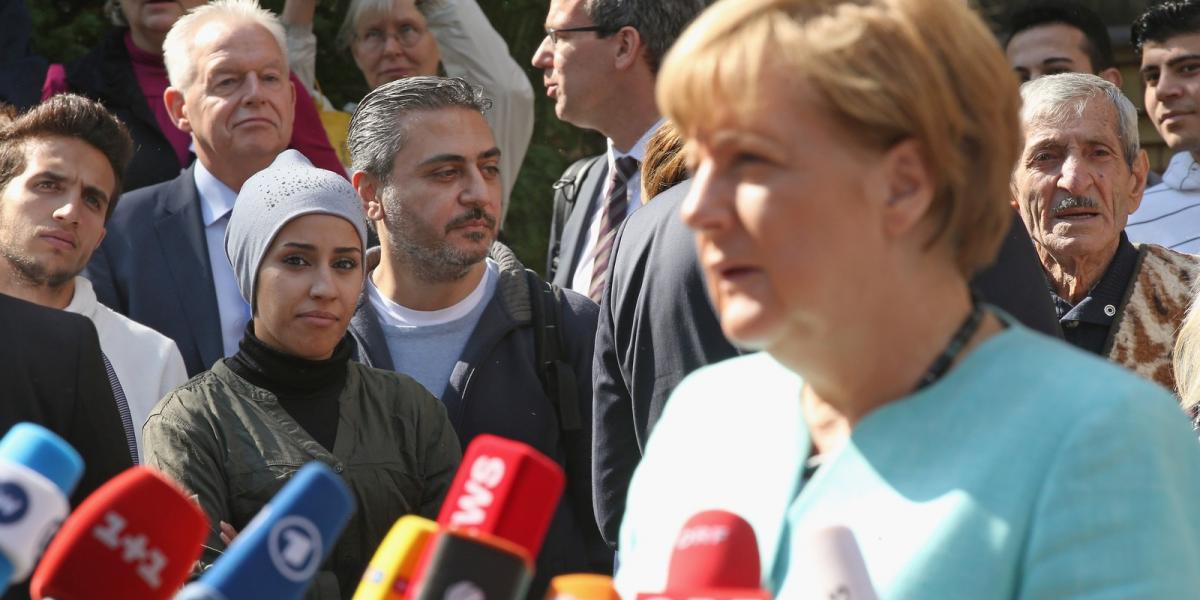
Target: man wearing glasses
x=599 y=60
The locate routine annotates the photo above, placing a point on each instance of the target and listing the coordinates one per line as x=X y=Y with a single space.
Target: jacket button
x=339 y=467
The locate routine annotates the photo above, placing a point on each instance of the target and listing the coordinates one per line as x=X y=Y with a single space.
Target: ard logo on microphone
x=14 y=502
x=295 y=548
x=486 y=474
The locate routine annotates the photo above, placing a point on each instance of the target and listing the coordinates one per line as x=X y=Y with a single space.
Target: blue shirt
x=1031 y=470
x=216 y=202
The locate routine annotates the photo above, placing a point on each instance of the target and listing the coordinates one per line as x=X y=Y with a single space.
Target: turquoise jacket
x=1031 y=470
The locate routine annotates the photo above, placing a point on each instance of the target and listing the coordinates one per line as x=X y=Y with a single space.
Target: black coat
x=53 y=375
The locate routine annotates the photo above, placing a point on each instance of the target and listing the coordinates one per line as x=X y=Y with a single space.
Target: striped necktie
x=122 y=408
x=616 y=205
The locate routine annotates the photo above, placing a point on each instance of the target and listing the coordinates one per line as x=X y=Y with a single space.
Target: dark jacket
x=495 y=389
x=234 y=446
x=153 y=267
x=53 y=375
x=565 y=246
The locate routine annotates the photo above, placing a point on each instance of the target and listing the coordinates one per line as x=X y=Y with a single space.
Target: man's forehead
x=70 y=158
x=563 y=12
x=1038 y=43
x=445 y=131
x=219 y=34
x=1157 y=53
x=1096 y=122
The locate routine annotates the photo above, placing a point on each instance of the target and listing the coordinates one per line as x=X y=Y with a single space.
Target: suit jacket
x=656 y=325
x=560 y=266
x=153 y=268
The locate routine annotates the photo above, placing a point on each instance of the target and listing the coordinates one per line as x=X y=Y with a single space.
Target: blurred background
x=66 y=29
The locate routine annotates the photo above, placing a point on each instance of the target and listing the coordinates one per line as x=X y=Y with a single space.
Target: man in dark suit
x=163 y=262
x=600 y=60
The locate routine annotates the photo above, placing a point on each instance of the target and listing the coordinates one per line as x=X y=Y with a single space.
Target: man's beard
x=432 y=258
x=30 y=272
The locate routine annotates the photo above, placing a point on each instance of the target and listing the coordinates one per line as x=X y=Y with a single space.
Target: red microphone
x=715 y=558
x=135 y=538
x=504 y=489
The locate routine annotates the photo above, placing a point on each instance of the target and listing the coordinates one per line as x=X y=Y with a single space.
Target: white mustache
x=1068 y=202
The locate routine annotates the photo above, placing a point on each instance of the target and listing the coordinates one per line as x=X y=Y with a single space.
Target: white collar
x=216 y=198
x=638 y=151
x=84 y=301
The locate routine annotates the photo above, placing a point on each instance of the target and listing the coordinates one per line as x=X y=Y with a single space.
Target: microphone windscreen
x=38 y=471
x=505 y=489
x=391 y=570
x=715 y=549
x=137 y=537
x=831 y=565
x=468 y=565
x=582 y=586
x=279 y=552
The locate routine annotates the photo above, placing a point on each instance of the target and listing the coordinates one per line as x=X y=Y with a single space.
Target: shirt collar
x=1103 y=302
x=216 y=198
x=1183 y=173
x=84 y=300
x=638 y=151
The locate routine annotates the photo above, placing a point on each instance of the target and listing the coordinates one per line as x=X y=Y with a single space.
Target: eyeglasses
x=553 y=33
x=375 y=39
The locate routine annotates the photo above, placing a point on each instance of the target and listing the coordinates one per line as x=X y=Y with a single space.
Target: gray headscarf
x=291 y=187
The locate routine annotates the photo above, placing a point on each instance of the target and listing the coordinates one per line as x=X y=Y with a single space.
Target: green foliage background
x=67 y=29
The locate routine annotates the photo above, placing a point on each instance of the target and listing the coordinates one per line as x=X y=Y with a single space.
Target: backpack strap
x=557 y=376
x=566 y=193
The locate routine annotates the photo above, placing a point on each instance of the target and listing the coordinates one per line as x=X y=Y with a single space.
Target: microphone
x=831 y=566
x=715 y=558
x=468 y=565
x=504 y=489
x=279 y=552
x=38 y=471
x=136 y=537
x=582 y=586
x=391 y=569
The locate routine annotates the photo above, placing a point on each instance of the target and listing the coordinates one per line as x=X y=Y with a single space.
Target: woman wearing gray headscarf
x=234 y=435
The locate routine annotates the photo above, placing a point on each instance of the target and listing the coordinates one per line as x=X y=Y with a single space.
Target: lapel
x=180 y=230
x=577 y=222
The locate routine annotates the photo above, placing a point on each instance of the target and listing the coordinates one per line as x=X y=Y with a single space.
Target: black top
x=307 y=389
x=1086 y=325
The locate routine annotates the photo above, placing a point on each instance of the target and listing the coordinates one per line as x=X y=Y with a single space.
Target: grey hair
x=177 y=47
x=658 y=22
x=1066 y=95
x=376 y=133
x=361 y=8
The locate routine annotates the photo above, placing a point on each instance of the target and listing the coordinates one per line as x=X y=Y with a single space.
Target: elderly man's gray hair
x=1065 y=95
x=376 y=134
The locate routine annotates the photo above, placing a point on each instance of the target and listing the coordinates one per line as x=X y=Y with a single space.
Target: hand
x=227 y=533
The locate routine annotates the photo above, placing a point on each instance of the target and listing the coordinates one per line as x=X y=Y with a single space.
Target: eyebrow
x=1172 y=62
x=458 y=158
x=59 y=178
x=1057 y=59
x=313 y=248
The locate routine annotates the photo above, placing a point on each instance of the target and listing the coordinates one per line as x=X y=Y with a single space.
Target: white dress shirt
x=216 y=202
x=1170 y=211
x=581 y=281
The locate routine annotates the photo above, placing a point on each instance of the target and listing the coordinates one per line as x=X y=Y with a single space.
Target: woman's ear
x=909 y=185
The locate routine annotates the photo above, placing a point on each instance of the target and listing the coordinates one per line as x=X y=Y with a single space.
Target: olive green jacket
x=234 y=446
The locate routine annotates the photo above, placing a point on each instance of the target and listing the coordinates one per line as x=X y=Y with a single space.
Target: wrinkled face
x=782 y=205
x=577 y=70
x=52 y=214
x=155 y=15
x=1171 y=72
x=239 y=106
x=441 y=209
x=1048 y=50
x=1072 y=185
x=308 y=286
x=391 y=46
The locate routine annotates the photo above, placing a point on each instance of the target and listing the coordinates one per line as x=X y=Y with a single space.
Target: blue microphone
x=38 y=471
x=277 y=555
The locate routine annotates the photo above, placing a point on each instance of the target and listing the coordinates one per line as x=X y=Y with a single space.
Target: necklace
x=942 y=363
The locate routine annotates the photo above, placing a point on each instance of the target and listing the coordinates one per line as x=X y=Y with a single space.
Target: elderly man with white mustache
x=1079 y=177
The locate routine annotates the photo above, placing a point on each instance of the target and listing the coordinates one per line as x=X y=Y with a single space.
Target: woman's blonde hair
x=885 y=71
x=1186 y=357
x=665 y=164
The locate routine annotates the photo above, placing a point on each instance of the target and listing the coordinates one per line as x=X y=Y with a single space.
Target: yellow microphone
x=582 y=586
x=390 y=571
